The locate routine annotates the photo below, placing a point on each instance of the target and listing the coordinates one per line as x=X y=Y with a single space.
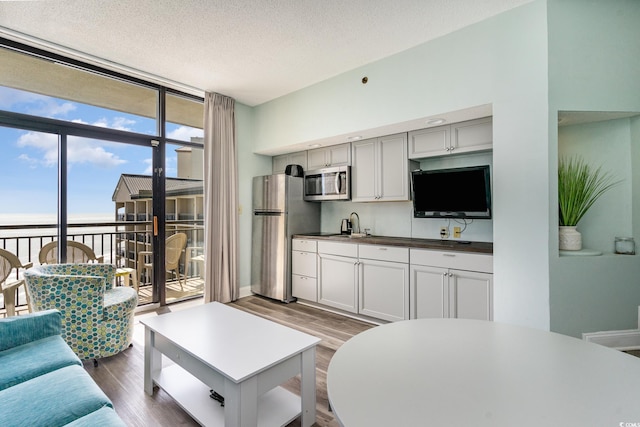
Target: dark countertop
x=443 y=245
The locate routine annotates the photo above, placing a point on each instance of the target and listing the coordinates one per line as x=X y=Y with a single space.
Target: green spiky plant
x=579 y=186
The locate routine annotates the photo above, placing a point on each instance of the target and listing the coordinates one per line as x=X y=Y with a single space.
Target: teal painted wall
x=594 y=58
x=249 y=165
x=501 y=61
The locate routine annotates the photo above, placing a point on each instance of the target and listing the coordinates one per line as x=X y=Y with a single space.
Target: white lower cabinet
x=394 y=283
x=470 y=295
x=304 y=260
x=384 y=290
x=429 y=293
x=438 y=291
x=338 y=279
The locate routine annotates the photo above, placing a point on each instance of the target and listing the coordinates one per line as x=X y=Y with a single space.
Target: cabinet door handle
x=449 y=255
x=382 y=249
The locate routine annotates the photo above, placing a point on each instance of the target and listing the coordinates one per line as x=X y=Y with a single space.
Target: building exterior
x=184 y=210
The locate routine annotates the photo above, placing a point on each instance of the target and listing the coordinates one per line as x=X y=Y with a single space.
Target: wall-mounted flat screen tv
x=452 y=193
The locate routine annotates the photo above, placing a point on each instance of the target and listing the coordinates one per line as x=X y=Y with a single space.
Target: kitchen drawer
x=449 y=259
x=304 y=263
x=384 y=253
x=334 y=248
x=304 y=287
x=305 y=245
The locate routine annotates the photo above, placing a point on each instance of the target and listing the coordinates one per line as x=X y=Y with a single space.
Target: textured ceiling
x=253 y=51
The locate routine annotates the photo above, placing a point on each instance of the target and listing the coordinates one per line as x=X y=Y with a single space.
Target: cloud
x=119 y=123
x=83 y=151
x=184 y=133
x=80 y=151
x=31 y=162
x=43 y=142
x=149 y=169
x=34 y=104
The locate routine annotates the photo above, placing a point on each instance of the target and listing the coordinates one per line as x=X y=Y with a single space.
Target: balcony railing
x=119 y=242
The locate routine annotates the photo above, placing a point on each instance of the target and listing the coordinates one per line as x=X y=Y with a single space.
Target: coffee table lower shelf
x=277 y=407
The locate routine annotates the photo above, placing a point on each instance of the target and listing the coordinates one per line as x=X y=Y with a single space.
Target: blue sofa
x=42 y=381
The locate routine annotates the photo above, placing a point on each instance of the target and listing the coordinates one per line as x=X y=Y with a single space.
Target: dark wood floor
x=121 y=376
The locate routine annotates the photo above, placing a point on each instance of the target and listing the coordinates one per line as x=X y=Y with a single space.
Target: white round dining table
x=456 y=372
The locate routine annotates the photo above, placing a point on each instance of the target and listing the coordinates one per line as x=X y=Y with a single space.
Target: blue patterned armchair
x=97 y=319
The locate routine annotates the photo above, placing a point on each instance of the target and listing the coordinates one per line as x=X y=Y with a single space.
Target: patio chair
x=97 y=318
x=76 y=253
x=10 y=263
x=174 y=248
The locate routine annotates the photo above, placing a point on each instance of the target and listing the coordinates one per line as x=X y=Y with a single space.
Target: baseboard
x=244 y=291
x=619 y=340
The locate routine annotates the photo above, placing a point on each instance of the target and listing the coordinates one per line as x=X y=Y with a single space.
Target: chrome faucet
x=353 y=228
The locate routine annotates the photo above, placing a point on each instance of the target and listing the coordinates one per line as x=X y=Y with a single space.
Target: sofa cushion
x=53 y=399
x=103 y=417
x=18 y=330
x=22 y=363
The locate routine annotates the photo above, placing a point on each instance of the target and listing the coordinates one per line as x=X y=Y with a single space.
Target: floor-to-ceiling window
x=73 y=139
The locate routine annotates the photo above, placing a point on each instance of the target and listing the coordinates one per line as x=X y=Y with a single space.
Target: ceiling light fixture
x=435 y=121
x=354 y=138
x=314 y=145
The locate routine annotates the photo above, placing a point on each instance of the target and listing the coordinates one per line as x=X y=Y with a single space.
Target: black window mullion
x=62 y=198
x=159 y=204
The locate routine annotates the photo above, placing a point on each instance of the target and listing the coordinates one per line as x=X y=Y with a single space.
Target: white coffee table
x=455 y=372
x=241 y=356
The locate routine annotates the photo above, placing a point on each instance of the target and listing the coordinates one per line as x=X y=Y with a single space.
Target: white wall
x=501 y=61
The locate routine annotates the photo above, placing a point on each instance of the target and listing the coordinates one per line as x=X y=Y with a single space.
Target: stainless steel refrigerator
x=279 y=212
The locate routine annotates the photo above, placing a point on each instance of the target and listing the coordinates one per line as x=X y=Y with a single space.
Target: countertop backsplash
x=396 y=219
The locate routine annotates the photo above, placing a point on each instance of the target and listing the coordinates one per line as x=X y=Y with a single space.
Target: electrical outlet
x=444 y=232
x=456 y=232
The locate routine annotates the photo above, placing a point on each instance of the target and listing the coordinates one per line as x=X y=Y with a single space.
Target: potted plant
x=579 y=186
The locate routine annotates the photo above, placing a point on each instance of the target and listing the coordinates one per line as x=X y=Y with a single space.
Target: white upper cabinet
x=363 y=170
x=335 y=155
x=463 y=137
x=279 y=163
x=380 y=169
x=429 y=142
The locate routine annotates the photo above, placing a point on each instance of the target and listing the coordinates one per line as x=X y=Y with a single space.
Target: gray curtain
x=220 y=199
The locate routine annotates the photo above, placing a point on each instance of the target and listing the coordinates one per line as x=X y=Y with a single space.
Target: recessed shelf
x=581 y=252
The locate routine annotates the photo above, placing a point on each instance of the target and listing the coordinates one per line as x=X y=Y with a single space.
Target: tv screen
x=452 y=193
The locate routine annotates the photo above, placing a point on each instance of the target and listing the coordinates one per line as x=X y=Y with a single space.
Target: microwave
x=333 y=183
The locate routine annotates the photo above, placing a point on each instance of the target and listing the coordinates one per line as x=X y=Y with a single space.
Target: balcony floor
x=193 y=287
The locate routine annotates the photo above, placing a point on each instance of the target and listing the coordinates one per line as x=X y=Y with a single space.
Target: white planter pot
x=570 y=239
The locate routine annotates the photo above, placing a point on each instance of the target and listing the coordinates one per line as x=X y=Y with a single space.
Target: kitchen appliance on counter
x=345 y=226
x=279 y=211
x=333 y=183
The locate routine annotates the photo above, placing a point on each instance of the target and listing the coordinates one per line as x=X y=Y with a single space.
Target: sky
x=29 y=160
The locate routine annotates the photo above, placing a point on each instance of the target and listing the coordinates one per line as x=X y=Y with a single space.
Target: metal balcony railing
x=119 y=242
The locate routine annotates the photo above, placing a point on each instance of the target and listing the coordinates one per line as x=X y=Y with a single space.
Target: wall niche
x=610 y=140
